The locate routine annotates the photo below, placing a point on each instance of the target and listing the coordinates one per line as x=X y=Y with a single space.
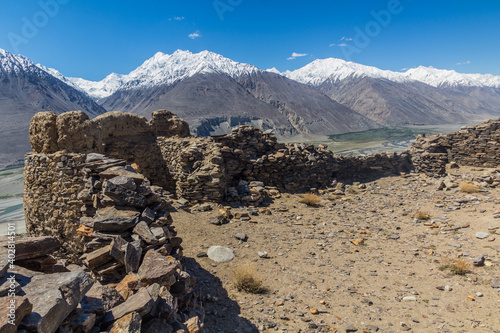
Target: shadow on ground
x=222 y=313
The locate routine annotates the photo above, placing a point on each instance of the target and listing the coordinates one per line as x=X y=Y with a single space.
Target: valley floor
x=11 y=200
x=319 y=278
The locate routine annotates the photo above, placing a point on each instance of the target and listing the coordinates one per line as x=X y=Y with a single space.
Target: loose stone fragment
x=220 y=254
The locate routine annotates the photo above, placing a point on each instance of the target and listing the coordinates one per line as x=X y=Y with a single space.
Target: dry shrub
x=247 y=278
x=468 y=188
x=458 y=266
x=334 y=197
x=311 y=199
x=421 y=215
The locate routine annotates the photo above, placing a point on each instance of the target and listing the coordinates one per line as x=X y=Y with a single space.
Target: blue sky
x=90 y=39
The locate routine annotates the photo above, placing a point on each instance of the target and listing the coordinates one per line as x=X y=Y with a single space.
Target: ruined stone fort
x=101 y=190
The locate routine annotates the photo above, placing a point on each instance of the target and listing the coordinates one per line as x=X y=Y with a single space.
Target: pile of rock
x=123 y=218
x=160 y=298
x=251 y=193
x=119 y=230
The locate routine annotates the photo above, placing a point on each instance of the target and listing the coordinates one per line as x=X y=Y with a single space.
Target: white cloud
x=347 y=39
x=332 y=44
x=404 y=69
x=343 y=44
x=296 y=55
x=464 y=63
x=195 y=34
x=177 y=18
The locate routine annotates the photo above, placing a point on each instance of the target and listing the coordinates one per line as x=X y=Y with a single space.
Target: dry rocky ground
x=360 y=262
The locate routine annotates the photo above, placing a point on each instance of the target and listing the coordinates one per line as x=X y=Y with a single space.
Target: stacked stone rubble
x=470 y=146
x=108 y=217
x=252 y=155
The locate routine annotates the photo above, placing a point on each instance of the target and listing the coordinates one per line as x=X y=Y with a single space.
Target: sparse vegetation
x=422 y=215
x=468 y=187
x=246 y=278
x=458 y=266
x=311 y=199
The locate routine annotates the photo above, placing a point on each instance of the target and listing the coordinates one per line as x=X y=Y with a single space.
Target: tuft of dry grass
x=421 y=215
x=246 y=278
x=334 y=197
x=467 y=187
x=311 y=199
x=458 y=266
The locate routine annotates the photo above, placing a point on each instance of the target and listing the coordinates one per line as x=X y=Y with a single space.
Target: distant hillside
x=25 y=90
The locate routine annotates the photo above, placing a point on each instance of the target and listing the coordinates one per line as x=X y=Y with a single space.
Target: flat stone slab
x=141 y=302
x=123 y=196
x=116 y=219
x=33 y=247
x=20 y=306
x=482 y=235
x=54 y=296
x=110 y=173
x=220 y=254
x=156 y=268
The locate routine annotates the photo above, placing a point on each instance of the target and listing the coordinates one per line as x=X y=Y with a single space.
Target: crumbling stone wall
x=121 y=135
x=51 y=206
x=108 y=218
x=197 y=168
x=470 y=146
x=202 y=169
x=253 y=155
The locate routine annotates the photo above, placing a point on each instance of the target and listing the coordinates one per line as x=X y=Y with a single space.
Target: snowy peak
x=273 y=70
x=450 y=78
x=335 y=70
x=165 y=69
x=11 y=63
x=99 y=89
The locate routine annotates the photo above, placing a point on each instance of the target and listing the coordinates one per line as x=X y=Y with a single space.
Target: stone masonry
x=203 y=169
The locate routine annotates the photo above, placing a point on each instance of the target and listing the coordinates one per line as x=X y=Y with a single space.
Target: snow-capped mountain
x=26 y=89
x=450 y=78
x=423 y=95
x=165 y=69
x=15 y=64
x=334 y=70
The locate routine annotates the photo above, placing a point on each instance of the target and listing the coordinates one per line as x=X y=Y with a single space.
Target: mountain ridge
x=167 y=69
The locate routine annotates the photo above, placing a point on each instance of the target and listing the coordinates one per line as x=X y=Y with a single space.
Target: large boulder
x=43 y=133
